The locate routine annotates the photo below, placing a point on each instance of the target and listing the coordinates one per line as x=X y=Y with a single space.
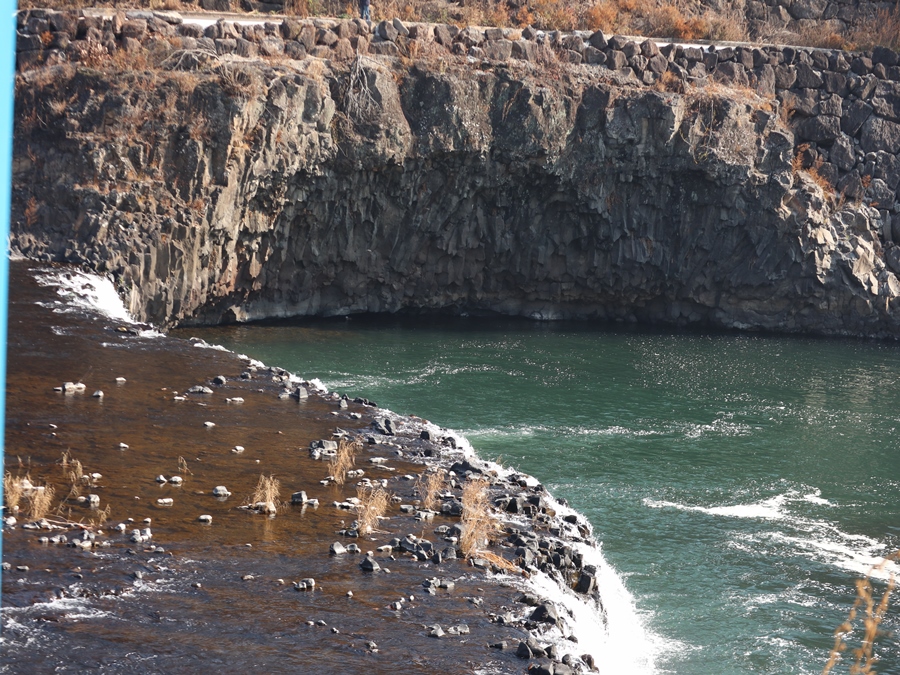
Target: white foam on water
x=691 y=431
x=854 y=553
x=317 y=383
x=69 y=608
x=815 y=497
x=83 y=291
x=815 y=539
x=251 y=361
x=203 y=344
x=768 y=509
x=616 y=634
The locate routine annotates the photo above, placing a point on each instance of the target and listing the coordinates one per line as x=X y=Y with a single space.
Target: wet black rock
x=545 y=613
x=369 y=564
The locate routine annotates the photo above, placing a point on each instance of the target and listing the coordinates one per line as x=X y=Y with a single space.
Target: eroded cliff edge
x=244 y=189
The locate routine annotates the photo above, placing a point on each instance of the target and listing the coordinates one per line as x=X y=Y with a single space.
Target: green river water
x=739 y=483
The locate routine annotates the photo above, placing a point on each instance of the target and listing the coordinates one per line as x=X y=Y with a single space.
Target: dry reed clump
x=863 y=656
x=265 y=495
x=183 y=467
x=75 y=475
x=343 y=459
x=477 y=521
x=12 y=492
x=40 y=499
x=501 y=563
x=101 y=518
x=372 y=506
x=429 y=487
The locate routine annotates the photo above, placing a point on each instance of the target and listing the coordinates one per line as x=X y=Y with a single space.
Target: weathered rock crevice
x=252 y=190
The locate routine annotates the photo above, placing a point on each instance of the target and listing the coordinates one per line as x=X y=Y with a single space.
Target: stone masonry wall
x=805 y=16
x=845 y=107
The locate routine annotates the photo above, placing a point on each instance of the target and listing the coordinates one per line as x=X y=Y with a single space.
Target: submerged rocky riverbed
x=155 y=588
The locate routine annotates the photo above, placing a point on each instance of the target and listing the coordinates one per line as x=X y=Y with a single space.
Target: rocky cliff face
x=242 y=190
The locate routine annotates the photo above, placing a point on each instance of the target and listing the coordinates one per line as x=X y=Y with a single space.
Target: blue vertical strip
x=7 y=93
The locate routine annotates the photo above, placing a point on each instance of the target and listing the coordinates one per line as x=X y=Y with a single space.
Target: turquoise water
x=739 y=483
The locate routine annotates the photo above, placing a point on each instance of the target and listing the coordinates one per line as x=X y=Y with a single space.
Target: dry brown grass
x=373 y=503
x=101 y=517
x=873 y=611
x=31 y=212
x=429 y=486
x=240 y=82
x=500 y=562
x=76 y=478
x=883 y=30
x=183 y=467
x=669 y=82
x=343 y=460
x=39 y=500
x=92 y=54
x=12 y=492
x=477 y=521
x=265 y=495
x=812 y=171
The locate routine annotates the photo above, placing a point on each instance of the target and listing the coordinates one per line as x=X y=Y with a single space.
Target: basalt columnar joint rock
x=216 y=188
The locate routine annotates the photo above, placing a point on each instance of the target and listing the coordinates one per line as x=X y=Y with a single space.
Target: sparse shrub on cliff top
x=882 y=30
x=239 y=82
x=670 y=82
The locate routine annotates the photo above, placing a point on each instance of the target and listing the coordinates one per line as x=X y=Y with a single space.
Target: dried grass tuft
x=183 y=467
x=76 y=478
x=40 y=499
x=429 y=486
x=477 y=521
x=265 y=495
x=373 y=503
x=343 y=459
x=12 y=491
x=500 y=562
x=101 y=518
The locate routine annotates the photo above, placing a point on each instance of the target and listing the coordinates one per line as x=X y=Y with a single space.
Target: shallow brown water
x=73 y=610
